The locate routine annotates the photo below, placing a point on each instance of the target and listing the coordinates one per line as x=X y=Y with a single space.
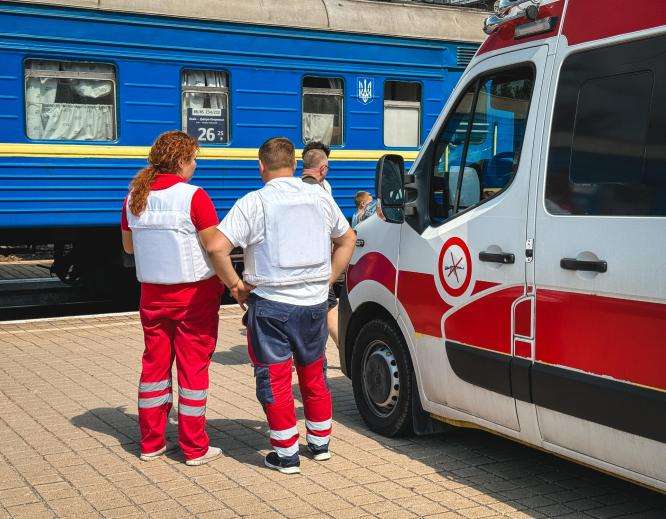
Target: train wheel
x=383 y=379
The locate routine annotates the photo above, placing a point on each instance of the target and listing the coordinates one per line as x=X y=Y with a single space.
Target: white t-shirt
x=244 y=225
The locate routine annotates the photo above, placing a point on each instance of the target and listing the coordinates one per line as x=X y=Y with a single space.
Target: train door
x=599 y=381
x=461 y=275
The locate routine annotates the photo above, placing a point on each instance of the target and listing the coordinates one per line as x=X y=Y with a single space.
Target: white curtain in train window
x=39 y=91
x=78 y=122
x=86 y=119
x=318 y=127
x=90 y=88
x=322 y=115
x=401 y=123
x=202 y=78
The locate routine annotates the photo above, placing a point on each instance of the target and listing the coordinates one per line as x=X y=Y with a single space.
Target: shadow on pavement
x=538 y=483
x=477 y=463
x=239 y=438
x=234 y=356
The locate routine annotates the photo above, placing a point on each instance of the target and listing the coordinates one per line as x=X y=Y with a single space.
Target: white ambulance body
x=527 y=296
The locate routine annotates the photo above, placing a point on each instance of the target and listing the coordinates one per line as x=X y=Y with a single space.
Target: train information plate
x=207 y=125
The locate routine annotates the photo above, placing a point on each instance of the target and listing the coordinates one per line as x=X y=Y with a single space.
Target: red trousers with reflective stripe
x=189 y=335
x=281 y=414
x=317 y=402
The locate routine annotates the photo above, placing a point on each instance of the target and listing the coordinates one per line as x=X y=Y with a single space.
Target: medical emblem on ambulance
x=366 y=86
x=455 y=267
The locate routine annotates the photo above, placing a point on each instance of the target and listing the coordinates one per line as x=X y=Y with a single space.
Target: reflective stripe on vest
x=166 y=245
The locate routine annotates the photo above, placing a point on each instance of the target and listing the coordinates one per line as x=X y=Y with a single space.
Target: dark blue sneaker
x=290 y=465
x=319 y=452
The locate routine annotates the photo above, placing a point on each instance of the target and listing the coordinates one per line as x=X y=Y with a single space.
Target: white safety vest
x=297 y=239
x=167 y=250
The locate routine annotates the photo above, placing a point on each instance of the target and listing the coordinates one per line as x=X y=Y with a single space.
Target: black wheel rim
x=380 y=378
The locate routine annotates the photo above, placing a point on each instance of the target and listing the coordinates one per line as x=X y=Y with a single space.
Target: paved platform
x=68 y=447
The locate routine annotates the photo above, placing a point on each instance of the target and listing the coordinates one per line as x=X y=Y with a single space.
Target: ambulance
x=515 y=278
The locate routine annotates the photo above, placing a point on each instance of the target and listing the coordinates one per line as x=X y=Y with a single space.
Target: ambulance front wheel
x=382 y=378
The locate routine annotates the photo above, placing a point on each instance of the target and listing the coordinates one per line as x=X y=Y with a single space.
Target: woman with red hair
x=166 y=223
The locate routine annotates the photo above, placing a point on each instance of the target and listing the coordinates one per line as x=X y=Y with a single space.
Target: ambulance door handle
x=587 y=266
x=506 y=258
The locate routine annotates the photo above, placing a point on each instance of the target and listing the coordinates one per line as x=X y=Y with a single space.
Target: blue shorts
x=279 y=330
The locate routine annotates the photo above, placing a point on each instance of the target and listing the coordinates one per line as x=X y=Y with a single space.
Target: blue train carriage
x=85 y=86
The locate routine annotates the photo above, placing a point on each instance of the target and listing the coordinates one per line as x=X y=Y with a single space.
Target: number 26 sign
x=207 y=125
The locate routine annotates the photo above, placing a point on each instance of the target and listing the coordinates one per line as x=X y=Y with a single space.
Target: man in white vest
x=286 y=229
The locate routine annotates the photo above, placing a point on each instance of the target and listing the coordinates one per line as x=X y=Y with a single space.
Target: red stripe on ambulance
x=480 y=286
x=372 y=266
x=485 y=322
x=418 y=294
x=567 y=335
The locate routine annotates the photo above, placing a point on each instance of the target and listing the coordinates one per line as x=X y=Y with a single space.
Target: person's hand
x=241 y=291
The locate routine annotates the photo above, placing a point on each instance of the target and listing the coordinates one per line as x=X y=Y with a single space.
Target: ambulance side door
x=599 y=378
x=463 y=271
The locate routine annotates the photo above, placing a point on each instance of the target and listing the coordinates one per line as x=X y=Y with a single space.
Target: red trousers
x=276 y=333
x=189 y=335
x=281 y=414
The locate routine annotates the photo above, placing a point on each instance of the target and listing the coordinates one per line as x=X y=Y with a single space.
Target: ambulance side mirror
x=390 y=189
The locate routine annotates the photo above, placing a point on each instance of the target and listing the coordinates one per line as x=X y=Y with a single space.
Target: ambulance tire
x=383 y=379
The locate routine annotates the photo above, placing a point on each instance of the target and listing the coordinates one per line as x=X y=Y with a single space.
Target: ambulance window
x=322 y=110
x=448 y=151
x=610 y=130
x=607 y=155
x=489 y=147
x=402 y=113
x=70 y=101
x=205 y=112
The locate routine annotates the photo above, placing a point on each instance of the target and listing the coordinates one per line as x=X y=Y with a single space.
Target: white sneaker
x=150 y=456
x=319 y=453
x=211 y=454
x=322 y=456
x=290 y=465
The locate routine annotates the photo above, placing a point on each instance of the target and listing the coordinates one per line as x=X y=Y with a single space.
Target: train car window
x=488 y=159
x=205 y=108
x=607 y=154
x=402 y=114
x=323 y=110
x=70 y=101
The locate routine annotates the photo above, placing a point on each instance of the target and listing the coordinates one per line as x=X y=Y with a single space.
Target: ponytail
x=140 y=188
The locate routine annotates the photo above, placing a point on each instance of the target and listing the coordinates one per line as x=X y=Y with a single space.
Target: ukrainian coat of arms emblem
x=365 y=87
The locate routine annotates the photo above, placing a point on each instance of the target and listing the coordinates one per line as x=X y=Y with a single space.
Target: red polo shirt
x=203 y=215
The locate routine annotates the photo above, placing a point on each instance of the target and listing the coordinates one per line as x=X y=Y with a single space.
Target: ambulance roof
x=582 y=21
